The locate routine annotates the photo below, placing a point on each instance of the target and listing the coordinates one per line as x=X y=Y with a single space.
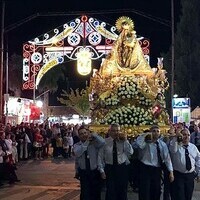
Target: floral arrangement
x=129 y=115
x=126 y=104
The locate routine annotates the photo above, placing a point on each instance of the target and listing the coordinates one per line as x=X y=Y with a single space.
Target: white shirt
x=70 y=140
x=178 y=157
x=27 y=139
x=148 y=152
x=9 y=145
x=92 y=148
x=124 y=150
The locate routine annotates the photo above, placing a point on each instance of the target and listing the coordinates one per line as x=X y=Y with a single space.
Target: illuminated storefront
x=181 y=110
x=22 y=110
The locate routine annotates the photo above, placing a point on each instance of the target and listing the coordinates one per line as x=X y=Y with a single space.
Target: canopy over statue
x=126 y=90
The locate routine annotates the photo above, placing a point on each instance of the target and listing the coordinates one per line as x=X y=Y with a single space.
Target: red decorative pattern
x=145 y=44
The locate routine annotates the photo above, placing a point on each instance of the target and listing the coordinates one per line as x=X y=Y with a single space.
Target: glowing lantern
x=84 y=63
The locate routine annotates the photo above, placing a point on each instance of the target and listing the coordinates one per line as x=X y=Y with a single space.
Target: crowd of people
x=33 y=141
x=151 y=162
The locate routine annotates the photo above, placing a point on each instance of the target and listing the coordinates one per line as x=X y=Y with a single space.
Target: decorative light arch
x=63 y=43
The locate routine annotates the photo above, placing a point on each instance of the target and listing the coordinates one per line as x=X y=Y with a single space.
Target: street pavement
x=52 y=179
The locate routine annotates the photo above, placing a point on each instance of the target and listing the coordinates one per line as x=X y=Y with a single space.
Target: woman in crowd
x=7 y=167
x=38 y=140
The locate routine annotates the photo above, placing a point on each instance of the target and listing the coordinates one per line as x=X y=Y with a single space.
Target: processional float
x=126 y=90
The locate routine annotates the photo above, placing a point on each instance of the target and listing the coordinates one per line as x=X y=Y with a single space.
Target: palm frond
x=78 y=100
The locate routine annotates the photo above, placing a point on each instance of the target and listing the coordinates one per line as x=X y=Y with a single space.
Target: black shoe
x=1 y=184
x=17 y=180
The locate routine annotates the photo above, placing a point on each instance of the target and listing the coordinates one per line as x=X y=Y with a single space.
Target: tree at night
x=187 y=52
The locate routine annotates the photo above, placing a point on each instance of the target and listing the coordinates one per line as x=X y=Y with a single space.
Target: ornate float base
x=130 y=130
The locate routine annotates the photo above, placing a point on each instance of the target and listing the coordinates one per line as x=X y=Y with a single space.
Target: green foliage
x=78 y=100
x=187 y=52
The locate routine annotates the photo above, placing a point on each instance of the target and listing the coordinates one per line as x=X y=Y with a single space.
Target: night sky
x=159 y=34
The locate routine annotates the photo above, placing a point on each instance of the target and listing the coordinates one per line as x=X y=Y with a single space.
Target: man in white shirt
x=186 y=163
x=86 y=156
x=153 y=153
x=113 y=161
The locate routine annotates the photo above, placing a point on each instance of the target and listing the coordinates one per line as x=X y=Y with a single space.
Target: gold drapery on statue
x=126 y=56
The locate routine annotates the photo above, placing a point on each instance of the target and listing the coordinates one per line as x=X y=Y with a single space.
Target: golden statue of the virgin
x=126 y=56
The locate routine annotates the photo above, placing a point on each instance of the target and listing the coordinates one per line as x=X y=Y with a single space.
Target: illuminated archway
x=63 y=43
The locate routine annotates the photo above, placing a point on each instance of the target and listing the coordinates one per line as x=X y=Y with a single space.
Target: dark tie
x=87 y=161
x=158 y=154
x=115 y=160
x=187 y=159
